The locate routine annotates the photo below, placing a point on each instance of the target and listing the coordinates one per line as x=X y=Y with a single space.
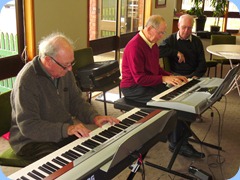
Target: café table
x=230 y=52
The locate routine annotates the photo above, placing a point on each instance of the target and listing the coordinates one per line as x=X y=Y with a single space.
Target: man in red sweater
x=143 y=78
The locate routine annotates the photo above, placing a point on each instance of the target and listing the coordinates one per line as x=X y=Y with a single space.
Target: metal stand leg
x=235 y=84
x=169 y=167
x=197 y=140
x=105 y=103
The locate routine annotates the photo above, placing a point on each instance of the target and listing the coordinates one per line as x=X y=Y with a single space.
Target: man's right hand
x=181 y=57
x=78 y=130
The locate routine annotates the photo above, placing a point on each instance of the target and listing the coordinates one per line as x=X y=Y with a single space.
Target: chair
x=222 y=39
x=8 y=157
x=166 y=64
x=211 y=64
x=84 y=57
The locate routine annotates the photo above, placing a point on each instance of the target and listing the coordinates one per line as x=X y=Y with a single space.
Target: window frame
x=11 y=65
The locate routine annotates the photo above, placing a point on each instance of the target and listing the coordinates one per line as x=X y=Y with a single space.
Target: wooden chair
x=222 y=39
x=8 y=157
x=84 y=57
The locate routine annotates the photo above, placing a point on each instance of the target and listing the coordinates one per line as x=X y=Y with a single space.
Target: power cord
x=135 y=167
x=219 y=159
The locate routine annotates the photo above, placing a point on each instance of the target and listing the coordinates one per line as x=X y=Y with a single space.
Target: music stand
x=136 y=141
x=227 y=84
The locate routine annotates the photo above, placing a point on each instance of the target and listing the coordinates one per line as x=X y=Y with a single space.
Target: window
x=12 y=37
x=112 y=24
x=233 y=20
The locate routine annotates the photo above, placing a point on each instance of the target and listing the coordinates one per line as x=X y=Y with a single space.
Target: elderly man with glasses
x=45 y=99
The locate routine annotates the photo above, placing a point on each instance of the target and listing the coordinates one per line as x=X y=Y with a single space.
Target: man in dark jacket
x=184 y=51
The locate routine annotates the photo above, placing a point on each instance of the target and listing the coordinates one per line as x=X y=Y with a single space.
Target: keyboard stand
x=175 y=153
x=196 y=139
x=126 y=105
x=168 y=169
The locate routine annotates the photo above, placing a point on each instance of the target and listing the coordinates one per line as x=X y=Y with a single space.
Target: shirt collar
x=55 y=80
x=189 y=38
x=146 y=40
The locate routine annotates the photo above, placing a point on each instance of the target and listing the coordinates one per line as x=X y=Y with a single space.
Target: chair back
x=83 y=57
x=223 y=39
x=166 y=64
x=5 y=112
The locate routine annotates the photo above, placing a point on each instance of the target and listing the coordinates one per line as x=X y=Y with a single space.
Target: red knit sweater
x=140 y=64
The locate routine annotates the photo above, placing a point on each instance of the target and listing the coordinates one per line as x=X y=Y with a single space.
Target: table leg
x=235 y=84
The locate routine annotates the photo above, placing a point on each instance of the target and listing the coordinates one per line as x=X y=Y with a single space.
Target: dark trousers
x=37 y=150
x=143 y=95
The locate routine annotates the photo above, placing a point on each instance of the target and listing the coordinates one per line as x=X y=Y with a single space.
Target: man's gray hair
x=155 y=21
x=48 y=45
x=186 y=16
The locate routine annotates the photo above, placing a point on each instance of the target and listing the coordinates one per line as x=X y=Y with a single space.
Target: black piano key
x=44 y=170
x=107 y=134
x=128 y=121
x=99 y=139
x=81 y=149
x=67 y=156
x=142 y=113
x=114 y=129
x=62 y=160
x=33 y=176
x=135 y=117
x=38 y=173
x=91 y=144
x=48 y=168
x=124 y=123
x=52 y=166
x=72 y=154
x=24 y=178
x=120 y=126
x=75 y=153
x=58 y=162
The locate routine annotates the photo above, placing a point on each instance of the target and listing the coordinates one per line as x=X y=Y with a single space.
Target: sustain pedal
x=199 y=173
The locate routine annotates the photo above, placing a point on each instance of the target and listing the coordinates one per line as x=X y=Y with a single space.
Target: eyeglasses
x=187 y=27
x=64 y=67
x=159 y=32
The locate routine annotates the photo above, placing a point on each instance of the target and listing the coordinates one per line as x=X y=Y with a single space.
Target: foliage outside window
x=219 y=7
x=197 y=8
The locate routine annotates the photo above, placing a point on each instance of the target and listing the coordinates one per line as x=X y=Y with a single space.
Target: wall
x=167 y=12
x=67 y=16
x=70 y=17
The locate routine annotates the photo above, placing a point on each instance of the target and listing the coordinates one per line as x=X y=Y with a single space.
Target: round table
x=228 y=51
